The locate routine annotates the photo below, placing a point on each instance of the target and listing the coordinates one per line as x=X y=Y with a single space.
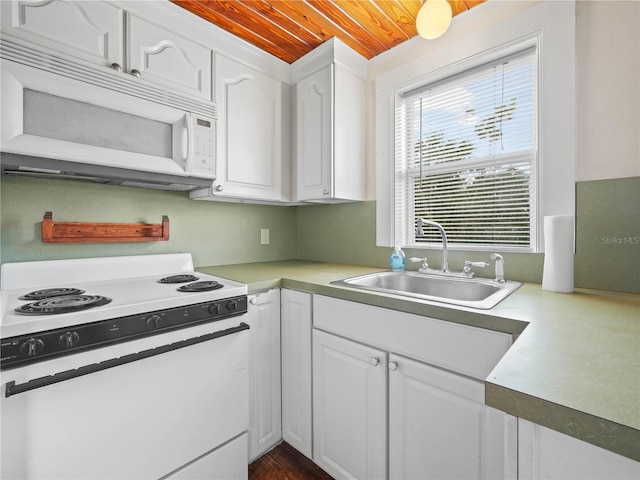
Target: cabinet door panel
x=250 y=132
x=349 y=135
x=439 y=427
x=349 y=384
x=168 y=59
x=92 y=31
x=314 y=149
x=296 y=370
x=265 y=428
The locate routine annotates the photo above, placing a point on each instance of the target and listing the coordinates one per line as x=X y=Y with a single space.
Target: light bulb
x=433 y=19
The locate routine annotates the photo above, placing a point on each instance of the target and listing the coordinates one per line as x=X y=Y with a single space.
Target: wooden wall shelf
x=60 y=232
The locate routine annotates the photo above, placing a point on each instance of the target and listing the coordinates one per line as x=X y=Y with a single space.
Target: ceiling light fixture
x=434 y=18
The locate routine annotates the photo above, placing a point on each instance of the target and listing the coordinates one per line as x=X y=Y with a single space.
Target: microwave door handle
x=188 y=135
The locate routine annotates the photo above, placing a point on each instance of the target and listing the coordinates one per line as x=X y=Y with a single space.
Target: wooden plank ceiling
x=288 y=29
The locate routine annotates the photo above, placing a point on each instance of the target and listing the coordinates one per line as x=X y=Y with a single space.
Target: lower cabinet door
x=265 y=406
x=439 y=427
x=349 y=408
x=296 y=369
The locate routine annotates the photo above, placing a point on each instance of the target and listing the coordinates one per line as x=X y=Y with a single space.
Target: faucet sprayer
x=499 y=267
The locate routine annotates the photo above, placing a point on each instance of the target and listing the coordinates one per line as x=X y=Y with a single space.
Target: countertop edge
x=603 y=433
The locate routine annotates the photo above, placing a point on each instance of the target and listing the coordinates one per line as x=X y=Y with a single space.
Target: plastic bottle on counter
x=397 y=259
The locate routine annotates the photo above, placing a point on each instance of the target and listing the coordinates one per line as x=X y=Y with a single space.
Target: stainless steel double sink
x=481 y=293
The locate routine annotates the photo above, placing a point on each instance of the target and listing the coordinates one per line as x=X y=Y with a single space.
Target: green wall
x=347 y=234
x=216 y=233
x=607 y=239
x=608 y=235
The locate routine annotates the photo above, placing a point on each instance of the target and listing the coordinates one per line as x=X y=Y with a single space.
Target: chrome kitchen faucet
x=445 y=252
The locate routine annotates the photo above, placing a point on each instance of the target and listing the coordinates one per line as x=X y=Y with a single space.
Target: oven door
x=164 y=404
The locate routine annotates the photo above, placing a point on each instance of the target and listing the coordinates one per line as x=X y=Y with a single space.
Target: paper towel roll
x=557 y=275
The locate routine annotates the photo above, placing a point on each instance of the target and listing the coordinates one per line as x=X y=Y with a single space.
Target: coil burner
x=204 y=286
x=182 y=278
x=62 y=304
x=51 y=292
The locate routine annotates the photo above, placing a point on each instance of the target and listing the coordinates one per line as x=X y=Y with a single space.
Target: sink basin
x=480 y=293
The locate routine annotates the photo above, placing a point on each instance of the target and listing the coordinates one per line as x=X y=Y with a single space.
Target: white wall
x=607 y=83
x=491 y=29
x=608 y=89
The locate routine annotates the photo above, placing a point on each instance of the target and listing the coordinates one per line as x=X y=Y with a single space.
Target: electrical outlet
x=264 y=236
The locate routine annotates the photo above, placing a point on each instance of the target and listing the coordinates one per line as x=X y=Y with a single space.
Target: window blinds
x=466 y=156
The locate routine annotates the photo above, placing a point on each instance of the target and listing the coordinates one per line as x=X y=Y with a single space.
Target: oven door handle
x=13 y=389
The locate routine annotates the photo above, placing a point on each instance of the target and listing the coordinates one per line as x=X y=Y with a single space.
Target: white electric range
x=122 y=367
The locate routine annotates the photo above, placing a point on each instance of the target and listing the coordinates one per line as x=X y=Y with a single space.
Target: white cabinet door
x=265 y=427
x=330 y=136
x=314 y=135
x=250 y=137
x=349 y=136
x=546 y=454
x=296 y=369
x=167 y=59
x=349 y=408
x=92 y=31
x=439 y=427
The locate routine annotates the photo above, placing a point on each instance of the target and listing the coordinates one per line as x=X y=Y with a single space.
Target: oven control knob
x=214 y=309
x=32 y=347
x=154 y=321
x=69 y=339
x=232 y=305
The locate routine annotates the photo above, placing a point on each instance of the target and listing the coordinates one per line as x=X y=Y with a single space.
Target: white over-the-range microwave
x=93 y=126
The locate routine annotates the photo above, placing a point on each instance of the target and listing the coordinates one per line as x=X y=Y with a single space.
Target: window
x=465 y=157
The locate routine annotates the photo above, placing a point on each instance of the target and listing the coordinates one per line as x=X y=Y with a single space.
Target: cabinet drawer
x=467 y=350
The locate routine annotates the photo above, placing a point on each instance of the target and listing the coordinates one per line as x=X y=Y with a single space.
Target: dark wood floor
x=285 y=463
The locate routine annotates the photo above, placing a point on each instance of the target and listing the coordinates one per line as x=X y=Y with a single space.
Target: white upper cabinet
x=329 y=125
x=314 y=127
x=253 y=135
x=102 y=34
x=167 y=59
x=92 y=31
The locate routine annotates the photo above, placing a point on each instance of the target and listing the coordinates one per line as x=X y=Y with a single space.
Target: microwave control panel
x=203 y=147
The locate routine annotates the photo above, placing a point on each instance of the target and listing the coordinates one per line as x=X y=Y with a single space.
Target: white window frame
x=498 y=29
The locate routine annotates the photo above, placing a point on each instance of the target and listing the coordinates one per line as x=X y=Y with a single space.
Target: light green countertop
x=574 y=368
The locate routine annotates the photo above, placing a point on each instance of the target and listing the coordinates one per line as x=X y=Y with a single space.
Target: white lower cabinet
x=349 y=408
x=296 y=369
x=264 y=372
x=440 y=428
x=546 y=454
x=428 y=419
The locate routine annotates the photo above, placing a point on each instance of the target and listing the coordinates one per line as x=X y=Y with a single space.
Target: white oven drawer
x=228 y=462
x=139 y=420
